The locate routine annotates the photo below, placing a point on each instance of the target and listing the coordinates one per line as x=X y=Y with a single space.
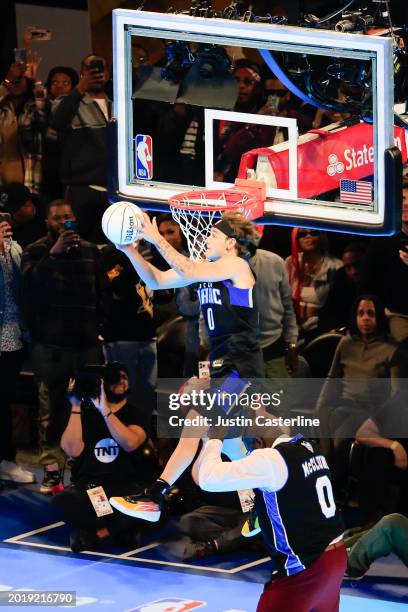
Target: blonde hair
x=244 y=229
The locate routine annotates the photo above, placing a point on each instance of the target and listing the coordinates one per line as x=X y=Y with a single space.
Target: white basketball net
x=196 y=223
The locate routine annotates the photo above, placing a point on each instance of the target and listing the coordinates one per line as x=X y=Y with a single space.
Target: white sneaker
x=16 y=473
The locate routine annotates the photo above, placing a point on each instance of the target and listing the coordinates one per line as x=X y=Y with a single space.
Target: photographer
x=102 y=435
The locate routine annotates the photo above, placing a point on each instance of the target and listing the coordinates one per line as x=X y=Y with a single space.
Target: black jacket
x=83 y=126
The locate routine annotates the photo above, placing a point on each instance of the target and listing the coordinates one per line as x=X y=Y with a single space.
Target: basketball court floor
x=35 y=555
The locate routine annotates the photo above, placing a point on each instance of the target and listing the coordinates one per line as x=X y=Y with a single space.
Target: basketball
x=121 y=223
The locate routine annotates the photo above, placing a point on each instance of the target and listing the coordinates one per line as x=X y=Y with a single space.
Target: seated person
x=216 y=525
x=389 y=535
x=103 y=436
x=383 y=474
x=355 y=387
x=311 y=269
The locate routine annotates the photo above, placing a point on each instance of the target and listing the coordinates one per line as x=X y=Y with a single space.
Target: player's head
x=232 y=235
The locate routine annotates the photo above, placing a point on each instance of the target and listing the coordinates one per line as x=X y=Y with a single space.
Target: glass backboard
x=183 y=121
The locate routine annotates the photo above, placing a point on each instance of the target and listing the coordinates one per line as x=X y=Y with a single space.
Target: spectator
x=28 y=225
x=234 y=139
x=355 y=387
x=311 y=271
x=141 y=67
x=336 y=311
x=385 y=461
x=278 y=328
x=64 y=297
x=39 y=142
x=251 y=92
x=81 y=118
x=110 y=424
x=280 y=102
x=385 y=273
x=180 y=145
x=130 y=330
x=11 y=347
x=16 y=95
x=389 y=535
x=60 y=82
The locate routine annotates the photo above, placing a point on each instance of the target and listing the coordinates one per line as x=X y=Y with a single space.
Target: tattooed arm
x=194 y=271
x=153 y=277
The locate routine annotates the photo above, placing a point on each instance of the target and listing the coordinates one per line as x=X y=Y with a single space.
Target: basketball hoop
x=196 y=211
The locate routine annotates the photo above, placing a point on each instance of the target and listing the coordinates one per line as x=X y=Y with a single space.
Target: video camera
x=88 y=381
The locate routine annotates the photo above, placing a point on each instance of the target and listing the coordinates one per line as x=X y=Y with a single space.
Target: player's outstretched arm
x=152 y=276
x=187 y=269
x=264 y=468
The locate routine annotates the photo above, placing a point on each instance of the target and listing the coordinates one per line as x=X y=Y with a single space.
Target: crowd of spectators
x=67 y=299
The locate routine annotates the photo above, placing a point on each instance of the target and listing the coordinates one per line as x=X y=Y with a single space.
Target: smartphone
x=20 y=56
x=71 y=225
x=273 y=102
x=42 y=34
x=97 y=64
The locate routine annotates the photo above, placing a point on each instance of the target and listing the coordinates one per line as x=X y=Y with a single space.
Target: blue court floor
x=34 y=555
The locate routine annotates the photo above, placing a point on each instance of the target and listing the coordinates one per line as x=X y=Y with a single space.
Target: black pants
x=215 y=522
x=53 y=367
x=78 y=512
x=88 y=206
x=379 y=479
x=10 y=366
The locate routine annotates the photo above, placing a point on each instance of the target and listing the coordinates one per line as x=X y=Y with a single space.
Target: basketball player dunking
x=225 y=289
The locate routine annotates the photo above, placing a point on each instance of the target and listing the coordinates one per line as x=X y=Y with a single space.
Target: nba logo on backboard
x=171 y=604
x=144 y=156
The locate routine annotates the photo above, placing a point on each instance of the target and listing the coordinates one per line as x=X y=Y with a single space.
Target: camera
x=178 y=60
x=354 y=21
x=88 y=381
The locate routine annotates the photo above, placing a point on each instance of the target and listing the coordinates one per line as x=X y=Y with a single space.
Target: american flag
x=357 y=192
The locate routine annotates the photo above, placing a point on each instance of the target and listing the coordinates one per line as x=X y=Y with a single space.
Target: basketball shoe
x=146 y=506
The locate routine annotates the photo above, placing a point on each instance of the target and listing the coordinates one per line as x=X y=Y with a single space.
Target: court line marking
x=137 y=550
x=251 y=564
x=126 y=556
x=34 y=532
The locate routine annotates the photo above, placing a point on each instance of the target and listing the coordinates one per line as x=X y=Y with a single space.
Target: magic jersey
x=232 y=322
x=300 y=520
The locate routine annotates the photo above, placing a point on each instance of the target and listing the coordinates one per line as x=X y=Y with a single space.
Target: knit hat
x=13 y=196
